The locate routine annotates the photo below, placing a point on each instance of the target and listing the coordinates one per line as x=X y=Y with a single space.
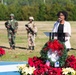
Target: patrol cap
x=12 y=15
x=31 y=18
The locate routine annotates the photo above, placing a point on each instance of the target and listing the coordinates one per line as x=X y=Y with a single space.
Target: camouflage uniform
x=31 y=37
x=13 y=26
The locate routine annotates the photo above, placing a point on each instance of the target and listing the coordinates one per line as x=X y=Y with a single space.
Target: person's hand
x=15 y=31
x=59 y=19
x=8 y=26
x=66 y=34
x=27 y=28
x=66 y=40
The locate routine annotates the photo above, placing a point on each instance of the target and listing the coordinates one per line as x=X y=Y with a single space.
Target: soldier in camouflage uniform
x=31 y=33
x=12 y=26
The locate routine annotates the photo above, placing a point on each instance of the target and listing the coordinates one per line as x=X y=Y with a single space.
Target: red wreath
x=55 y=45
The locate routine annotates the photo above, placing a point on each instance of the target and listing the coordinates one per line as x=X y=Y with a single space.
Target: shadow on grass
x=4 y=47
x=73 y=48
x=15 y=47
x=21 y=47
x=25 y=47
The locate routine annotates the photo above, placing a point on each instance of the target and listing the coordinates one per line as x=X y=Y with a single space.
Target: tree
x=3 y=12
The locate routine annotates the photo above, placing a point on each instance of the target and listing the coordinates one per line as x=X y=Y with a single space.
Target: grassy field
x=21 y=53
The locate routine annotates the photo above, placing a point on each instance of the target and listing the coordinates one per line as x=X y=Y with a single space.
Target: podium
x=55 y=35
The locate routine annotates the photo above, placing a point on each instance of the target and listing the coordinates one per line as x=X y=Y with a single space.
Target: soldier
x=31 y=33
x=12 y=26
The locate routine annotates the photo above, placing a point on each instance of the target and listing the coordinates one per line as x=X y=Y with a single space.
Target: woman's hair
x=64 y=13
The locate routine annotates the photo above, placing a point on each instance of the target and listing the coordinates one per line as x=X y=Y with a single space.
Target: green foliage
x=41 y=12
x=38 y=8
x=3 y=12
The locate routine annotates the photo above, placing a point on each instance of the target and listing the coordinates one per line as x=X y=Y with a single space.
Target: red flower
x=47 y=70
x=55 y=71
x=41 y=67
x=2 y=51
x=30 y=62
x=35 y=61
x=55 y=45
x=71 y=62
x=42 y=70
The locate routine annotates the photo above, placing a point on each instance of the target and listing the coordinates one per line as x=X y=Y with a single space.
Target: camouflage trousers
x=31 y=39
x=11 y=39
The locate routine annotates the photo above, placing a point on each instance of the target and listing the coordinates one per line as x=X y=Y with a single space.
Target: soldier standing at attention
x=31 y=33
x=12 y=26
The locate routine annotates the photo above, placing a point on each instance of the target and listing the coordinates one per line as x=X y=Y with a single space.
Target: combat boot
x=13 y=47
x=29 y=48
x=10 y=47
x=32 y=47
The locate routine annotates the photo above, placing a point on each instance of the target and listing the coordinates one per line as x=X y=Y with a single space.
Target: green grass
x=21 y=53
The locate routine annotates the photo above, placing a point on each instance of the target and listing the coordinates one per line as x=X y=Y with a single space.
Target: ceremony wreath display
x=54 y=51
x=53 y=61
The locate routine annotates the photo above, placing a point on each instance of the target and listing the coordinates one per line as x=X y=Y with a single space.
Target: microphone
x=59 y=19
